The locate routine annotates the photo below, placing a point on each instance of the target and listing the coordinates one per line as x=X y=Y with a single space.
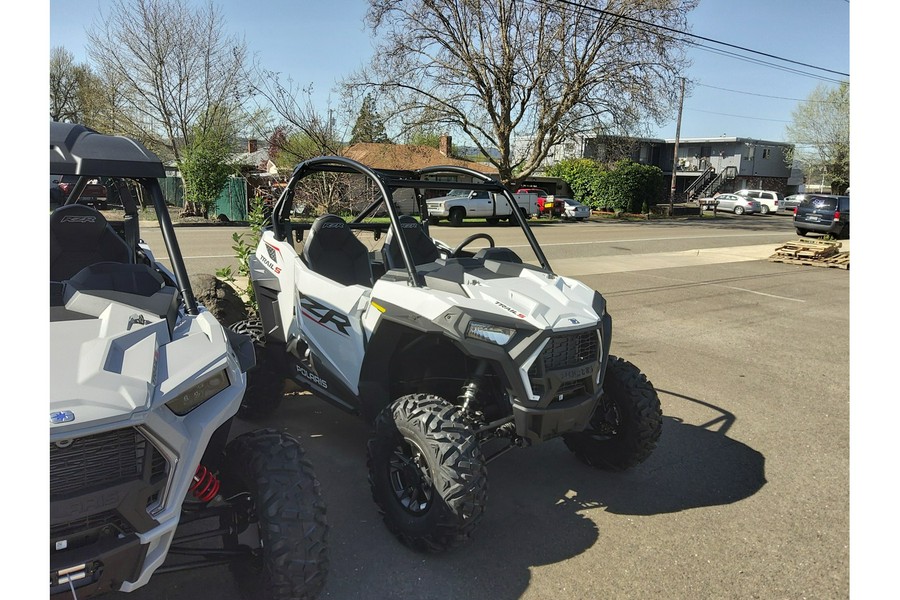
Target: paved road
x=747 y=495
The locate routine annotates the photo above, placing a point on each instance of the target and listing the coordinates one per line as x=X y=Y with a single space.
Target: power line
x=766 y=96
x=699 y=37
x=757 y=61
x=736 y=116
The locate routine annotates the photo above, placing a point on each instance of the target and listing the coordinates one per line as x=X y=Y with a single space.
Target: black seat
x=421 y=247
x=80 y=236
x=331 y=250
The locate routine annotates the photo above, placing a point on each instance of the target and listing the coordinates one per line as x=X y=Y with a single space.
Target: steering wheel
x=469 y=240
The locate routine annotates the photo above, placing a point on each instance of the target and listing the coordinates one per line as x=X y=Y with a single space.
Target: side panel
x=330 y=319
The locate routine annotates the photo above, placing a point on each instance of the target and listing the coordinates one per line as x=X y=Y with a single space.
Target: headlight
x=486 y=332
x=199 y=393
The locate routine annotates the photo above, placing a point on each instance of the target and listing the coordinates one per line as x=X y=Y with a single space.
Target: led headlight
x=199 y=393
x=486 y=332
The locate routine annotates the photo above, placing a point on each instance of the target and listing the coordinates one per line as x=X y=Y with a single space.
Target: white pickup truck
x=464 y=204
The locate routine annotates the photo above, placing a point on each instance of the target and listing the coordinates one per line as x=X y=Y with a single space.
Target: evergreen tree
x=369 y=126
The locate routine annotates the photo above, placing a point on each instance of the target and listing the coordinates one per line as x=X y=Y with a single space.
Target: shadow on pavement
x=542 y=509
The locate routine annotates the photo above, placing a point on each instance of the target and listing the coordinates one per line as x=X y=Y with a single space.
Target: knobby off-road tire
x=267 y=474
x=427 y=473
x=626 y=424
x=265 y=383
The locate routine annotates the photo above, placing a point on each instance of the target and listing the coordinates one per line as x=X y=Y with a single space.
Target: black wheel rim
x=410 y=478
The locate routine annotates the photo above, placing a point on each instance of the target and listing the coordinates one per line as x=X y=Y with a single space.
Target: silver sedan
x=739 y=205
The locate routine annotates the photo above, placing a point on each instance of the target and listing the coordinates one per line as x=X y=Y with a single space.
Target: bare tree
x=495 y=69
x=297 y=115
x=820 y=133
x=169 y=62
x=63 y=86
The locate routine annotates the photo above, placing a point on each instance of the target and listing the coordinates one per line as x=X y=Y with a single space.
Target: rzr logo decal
x=324 y=316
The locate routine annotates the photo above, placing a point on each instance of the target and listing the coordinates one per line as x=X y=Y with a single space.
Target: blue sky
x=319 y=42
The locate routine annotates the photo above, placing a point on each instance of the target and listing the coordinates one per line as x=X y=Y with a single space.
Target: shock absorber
x=205 y=485
x=469 y=394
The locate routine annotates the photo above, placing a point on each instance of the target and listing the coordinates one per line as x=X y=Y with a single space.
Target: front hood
x=518 y=292
x=113 y=362
x=105 y=367
x=542 y=300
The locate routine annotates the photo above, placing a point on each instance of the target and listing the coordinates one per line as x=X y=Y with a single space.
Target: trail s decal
x=325 y=316
x=270 y=260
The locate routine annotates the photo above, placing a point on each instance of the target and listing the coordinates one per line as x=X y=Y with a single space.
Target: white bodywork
x=116 y=367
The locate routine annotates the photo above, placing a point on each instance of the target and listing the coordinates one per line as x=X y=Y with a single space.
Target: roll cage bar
x=78 y=150
x=386 y=182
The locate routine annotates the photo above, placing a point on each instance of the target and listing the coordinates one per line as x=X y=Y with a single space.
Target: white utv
x=144 y=385
x=455 y=356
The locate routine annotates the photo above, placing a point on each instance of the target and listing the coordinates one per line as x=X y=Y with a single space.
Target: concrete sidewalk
x=574 y=267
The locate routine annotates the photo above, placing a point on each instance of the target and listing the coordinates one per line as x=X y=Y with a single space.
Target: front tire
x=265 y=382
x=456 y=216
x=738 y=210
x=626 y=424
x=275 y=492
x=427 y=473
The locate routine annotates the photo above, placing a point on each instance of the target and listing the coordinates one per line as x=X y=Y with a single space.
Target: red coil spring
x=206 y=485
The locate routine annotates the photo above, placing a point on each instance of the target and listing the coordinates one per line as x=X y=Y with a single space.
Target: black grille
x=110 y=518
x=571 y=350
x=103 y=460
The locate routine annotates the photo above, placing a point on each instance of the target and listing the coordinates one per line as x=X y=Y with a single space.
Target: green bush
x=583 y=176
x=630 y=187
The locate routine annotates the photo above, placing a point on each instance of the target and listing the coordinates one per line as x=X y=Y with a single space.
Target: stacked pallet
x=818 y=253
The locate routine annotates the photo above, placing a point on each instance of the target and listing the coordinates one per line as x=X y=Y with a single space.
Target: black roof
x=77 y=150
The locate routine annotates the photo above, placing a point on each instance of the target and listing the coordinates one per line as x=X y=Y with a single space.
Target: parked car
x=93 y=194
x=547 y=204
x=769 y=201
x=823 y=213
x=737 y=204
x=573 y=210
x=792 y=202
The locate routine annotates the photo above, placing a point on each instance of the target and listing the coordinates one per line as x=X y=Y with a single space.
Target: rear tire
x=456 y=216
x=265 y=382
x=434 y=220
x=492 y=220
x=427 y=473
x=764 y=209
x=802 y=232
x=626 y=424
x=268 y=476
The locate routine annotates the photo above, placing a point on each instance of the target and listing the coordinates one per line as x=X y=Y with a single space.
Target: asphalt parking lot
x=746 y=496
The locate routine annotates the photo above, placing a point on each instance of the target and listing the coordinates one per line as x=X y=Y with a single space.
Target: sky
x=320 y=42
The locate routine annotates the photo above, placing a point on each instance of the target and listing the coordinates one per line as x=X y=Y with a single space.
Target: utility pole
x=675 y=156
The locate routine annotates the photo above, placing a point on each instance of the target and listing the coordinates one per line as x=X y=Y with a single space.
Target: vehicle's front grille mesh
x=571 y=350
x=102 y=460
x=109 y=518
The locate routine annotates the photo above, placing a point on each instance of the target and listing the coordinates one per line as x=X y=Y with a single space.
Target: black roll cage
x=386 y=182
x=78 y=150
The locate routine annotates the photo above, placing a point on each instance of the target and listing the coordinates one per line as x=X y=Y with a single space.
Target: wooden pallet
x=836 y=261
x=809 y=249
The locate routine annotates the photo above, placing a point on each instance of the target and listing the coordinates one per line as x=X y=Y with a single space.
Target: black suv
x=824 y=214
